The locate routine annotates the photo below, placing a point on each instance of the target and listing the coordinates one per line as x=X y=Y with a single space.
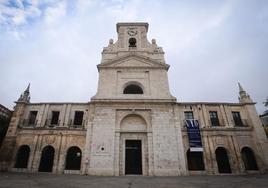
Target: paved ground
x=40 y=180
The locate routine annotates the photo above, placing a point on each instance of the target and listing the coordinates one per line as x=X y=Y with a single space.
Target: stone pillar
x=62 y=115
x=233 y=160
x=86 y=153
x=238 y=155
x=150 y=154
x=37 y=153
x=213 y=156
x=9 y=144
x=260 y=136
x=116 y=153
x=179 y=139
x=223 y=114
x=206 y=117
x=229 y=116
x=208 y=159
x=45 y=116
x=201 y=116
x=67 y=115
x=40 y=115
x=32 y=152
x=61 y=154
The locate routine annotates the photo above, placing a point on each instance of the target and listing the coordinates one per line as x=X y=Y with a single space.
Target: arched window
x=73 y=158
x=249 y=159
x=133 y=89
x=47 y=158
x=195 y=160
x=222 y=160
x=132 y=42
x=22 y=157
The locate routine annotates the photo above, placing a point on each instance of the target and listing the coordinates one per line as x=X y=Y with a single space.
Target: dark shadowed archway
x=73 y=158
x=249 y=159
x=22 y=157
x=133 y=89
x=223 y=160
x=195 y=160
x=47 y=158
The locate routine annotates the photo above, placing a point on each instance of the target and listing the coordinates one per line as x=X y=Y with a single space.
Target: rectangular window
x=188 y=115
x=214 y=118
x=32 y=117
x=55 y=117
x=237 y=119
x=78 y=117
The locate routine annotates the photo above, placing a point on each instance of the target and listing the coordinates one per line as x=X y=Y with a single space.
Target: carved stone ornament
x=50 y=139
x=132 y=32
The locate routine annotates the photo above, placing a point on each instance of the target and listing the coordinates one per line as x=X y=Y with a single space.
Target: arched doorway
x=133 y=145
x=195 y=161
x=133 y=89
x=73 y=158
x=222 y=160
x=22 y=157
x=47 y=158
x=249 y=159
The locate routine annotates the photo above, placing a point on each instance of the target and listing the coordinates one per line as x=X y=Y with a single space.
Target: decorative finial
x=28 y=88
x=243 y=96
x=240 y=88
x=25 y=96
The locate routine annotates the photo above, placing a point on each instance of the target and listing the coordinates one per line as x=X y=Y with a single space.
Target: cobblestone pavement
x=43 y=180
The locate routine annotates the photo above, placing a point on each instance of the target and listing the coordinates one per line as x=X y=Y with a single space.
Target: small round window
x=133 y=89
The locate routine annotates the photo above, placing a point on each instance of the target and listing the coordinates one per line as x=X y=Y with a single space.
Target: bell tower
x=133 y=68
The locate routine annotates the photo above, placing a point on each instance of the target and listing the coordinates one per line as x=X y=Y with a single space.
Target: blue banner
x=194 y=136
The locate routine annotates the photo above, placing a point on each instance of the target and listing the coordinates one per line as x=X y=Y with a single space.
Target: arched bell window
x=132 y=42
x=133 y=89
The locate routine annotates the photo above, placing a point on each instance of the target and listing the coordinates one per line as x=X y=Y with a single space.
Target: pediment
x=133 y=61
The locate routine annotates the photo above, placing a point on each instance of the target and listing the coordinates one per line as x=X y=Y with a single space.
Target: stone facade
x=5 y=116
x=133 y=105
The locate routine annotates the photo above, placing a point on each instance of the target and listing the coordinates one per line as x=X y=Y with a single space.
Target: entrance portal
x=133 y=161
x=222 y=160
x=47 y=157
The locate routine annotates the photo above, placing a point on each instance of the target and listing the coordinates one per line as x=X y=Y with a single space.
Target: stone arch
x=195 y=161
x=47 y=159
x=249 y=159
x=223 y=161
x=132 y=42
x=22 y=157
x=133 y=144
x=133 y=122
x=73 y=158
x=133 y=87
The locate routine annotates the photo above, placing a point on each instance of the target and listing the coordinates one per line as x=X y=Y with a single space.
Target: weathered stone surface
x=153 y=117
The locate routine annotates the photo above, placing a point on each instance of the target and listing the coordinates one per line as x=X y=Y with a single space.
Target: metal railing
x=28 y=123
x=215 y=122
x=48 y=123
x=72 y=124
x=240 y=122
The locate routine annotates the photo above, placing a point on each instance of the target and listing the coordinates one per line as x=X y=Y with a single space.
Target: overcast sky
x=210 y=45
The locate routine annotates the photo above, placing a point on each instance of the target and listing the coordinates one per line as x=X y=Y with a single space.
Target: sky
x=210 y=45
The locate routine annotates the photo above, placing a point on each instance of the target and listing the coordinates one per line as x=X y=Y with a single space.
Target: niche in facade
x=133 y=89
